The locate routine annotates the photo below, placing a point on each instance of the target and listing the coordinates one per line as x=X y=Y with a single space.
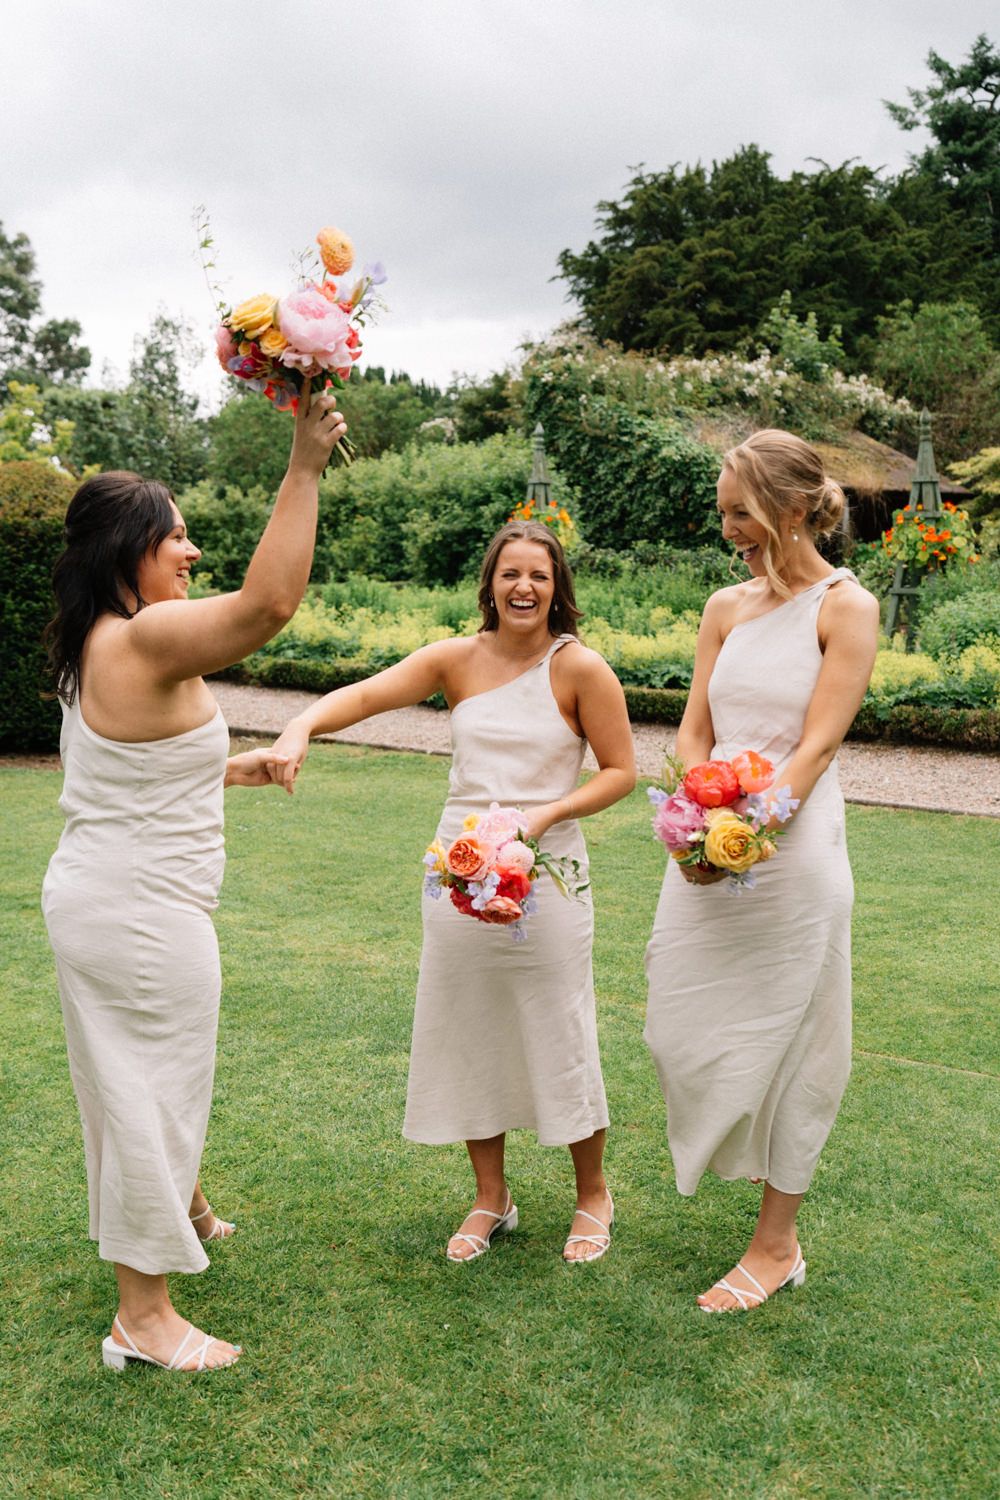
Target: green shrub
x=425 y=514
x=227 y=526
x=638 y=478
x=948 y=628
x=33 y=500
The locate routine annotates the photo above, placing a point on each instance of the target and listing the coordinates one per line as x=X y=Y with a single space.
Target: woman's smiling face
x=739 y=528
x=166 y=572
x=523 y=586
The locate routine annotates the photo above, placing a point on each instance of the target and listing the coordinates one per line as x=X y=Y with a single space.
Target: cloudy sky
x=463 y=143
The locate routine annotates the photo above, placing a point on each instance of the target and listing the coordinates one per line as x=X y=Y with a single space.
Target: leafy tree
x=49 y=354
x=167 y=439
x=962 y=112
x=384 y=414
x=29 y=431
x=248 y=443
x=482 y=408
x=941 y=356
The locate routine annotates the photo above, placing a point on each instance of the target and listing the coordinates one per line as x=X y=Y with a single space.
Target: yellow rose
x=767 y=848
x=272 y=342
x=255 y=316
x=472 y=821
x=336 y=250
x=729 y=843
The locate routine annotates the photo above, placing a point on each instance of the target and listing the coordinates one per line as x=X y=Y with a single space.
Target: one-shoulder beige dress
x=127 y=901
x=749 y=1014
x=505 y=1033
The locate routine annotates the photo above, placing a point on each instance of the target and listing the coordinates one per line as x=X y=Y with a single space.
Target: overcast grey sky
x=463 y=143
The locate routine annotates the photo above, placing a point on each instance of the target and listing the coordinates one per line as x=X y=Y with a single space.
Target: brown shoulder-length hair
x=563 y=612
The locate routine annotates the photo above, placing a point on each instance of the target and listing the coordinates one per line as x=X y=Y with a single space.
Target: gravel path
x=891 y=775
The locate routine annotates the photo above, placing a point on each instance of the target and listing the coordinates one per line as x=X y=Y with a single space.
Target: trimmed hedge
x=33 y=501
x=924 y=724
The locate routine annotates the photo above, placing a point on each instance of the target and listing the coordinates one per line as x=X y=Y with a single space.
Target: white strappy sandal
x=115 y=1356
x=505 y=1222
x=601 y=1240
x=749 y=1297
x=220 y=1230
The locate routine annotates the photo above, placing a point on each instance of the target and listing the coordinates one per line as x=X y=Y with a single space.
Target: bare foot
x=591 y=1241
x=752 y=1281
x=480 y=1224
x=160 y=1335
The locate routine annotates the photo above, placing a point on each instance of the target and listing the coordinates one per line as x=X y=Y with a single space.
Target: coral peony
x=317 y=331
x=712 y=784
x=753 y=771
x=677 y=819
x=514 y=884
x=336 y=250
x=254 y=316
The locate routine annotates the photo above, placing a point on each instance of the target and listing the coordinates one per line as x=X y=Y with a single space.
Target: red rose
x=514 y=884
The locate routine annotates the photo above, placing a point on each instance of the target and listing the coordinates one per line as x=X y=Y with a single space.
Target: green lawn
x=374 y=1368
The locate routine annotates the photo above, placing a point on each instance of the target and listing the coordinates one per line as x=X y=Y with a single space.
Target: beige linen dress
x=505 y=1033
x=749 y=1015
x=126 y=899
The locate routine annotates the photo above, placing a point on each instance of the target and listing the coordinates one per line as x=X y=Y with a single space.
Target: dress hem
x=480 y=1133
x=129 y=1258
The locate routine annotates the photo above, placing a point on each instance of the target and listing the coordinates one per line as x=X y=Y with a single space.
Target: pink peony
x=676 y=820
x=517 y=856
x=499 y=825
x=225 y=346
x=317 y=331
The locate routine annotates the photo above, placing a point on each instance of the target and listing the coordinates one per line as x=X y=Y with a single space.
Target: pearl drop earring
x=795 y=536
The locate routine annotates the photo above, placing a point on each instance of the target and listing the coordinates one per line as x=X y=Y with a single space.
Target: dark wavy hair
x=563 y=612
x=112 y=521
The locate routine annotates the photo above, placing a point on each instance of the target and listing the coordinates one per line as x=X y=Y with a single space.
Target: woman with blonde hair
x=505 y=1034
x=749 y=1016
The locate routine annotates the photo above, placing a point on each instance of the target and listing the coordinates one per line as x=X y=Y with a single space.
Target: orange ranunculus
x=468 y=858
x=753 y=771
x=712 y=784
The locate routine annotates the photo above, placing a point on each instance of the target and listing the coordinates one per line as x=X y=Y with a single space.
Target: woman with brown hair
x=129 y=891
x=749 y=1017
x=504 y=1034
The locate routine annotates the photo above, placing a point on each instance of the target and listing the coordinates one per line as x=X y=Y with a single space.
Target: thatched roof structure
x=875 y=477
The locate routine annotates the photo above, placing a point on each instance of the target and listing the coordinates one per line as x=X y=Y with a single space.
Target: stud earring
x=795 y=536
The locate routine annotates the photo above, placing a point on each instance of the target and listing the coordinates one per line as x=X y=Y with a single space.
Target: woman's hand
x=695 y=875
x=319 y=427
x=288 y=753
x=254 y=768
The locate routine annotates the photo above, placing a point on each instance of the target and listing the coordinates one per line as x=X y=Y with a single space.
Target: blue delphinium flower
x=517 y=931
x=656 y=795
x=483 y=891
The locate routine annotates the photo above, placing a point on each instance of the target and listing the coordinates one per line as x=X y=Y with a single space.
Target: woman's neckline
x=767 y=613
x=471 y=697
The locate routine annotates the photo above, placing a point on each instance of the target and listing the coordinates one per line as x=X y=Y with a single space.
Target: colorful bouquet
x=489 y=869
x=273 y=344
x=698 y=819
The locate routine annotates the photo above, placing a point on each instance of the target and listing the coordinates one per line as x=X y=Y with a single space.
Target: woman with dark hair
x=749 y=1018
x=504 y=1034
x=129 y=891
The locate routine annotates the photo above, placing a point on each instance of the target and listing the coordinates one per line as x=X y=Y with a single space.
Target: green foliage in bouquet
x=33 y=500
